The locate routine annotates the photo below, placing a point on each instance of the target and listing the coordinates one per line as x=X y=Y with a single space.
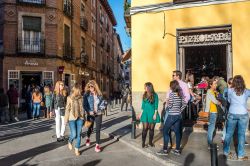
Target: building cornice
x=172 y=6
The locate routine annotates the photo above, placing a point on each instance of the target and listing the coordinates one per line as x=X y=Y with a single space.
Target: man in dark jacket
x=13 y=101
x=3 y=106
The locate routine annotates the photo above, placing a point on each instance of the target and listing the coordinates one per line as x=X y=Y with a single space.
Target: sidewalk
x=194 y=143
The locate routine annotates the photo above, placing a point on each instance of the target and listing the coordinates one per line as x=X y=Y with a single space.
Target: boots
x=151 y=137
x=144 y=135
x=77 y=152
x=70 y=146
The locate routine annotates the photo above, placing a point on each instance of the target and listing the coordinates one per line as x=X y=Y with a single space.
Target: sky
x=117 y=7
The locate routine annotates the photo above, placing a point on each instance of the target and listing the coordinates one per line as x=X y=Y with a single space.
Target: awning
x=126 y=56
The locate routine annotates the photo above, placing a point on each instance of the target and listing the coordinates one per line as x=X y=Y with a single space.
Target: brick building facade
x=38 y=36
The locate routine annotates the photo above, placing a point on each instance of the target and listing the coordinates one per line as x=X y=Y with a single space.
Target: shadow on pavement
x=222 y=160
x=15 y=158
x=92 y=163
x=24 y=129
x=189 y=159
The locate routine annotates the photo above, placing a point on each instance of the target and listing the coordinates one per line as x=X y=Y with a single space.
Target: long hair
x=238 y=85
x=175 y=87
x=95 y=85
x=149 y=95
x=57 y=89
x=36 y=91
x=76 y=90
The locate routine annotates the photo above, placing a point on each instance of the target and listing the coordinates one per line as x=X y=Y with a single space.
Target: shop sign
x=30 y=63
x=205 y=38
x=60 y=69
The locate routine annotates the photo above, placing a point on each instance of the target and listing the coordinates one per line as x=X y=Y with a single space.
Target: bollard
x=133 y=132
x=214 y=155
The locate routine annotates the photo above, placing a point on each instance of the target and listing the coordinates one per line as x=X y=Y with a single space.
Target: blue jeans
x=211 y=127
x=232 y=121
x=173 y=121
x=36 y=109
x=75 y=131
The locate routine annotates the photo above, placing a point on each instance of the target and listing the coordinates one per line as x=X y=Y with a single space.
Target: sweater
x=176 y=104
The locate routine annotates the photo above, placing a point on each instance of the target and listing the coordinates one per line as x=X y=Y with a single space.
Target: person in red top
x=13 y=102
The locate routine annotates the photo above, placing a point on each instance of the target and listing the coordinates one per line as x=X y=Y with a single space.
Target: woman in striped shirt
x=175 y=106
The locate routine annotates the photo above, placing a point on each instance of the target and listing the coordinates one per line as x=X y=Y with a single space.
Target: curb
x=148 y=154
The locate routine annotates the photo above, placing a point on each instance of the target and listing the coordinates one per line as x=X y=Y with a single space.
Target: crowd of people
x=225 y=103
x=71 y=108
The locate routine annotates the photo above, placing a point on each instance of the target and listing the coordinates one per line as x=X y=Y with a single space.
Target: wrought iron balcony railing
x=68 y=52
x=32 y=2
x=84 y=23
x=31 y=45
x=68 y=8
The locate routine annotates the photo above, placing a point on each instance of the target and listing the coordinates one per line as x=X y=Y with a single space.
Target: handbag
x=87 y=124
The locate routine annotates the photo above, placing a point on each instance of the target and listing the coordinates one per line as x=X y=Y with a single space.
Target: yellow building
x=208 y=37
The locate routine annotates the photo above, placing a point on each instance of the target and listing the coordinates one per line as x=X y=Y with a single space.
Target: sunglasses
x=61 y=84
x=173 y=75
x=91 y=86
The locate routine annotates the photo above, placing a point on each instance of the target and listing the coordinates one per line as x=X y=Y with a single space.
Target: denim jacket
x=88 y=103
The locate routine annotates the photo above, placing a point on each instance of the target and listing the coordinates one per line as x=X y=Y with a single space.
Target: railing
x=33 y=46
x=32 y=2
x=68 y=8
x=108 y=47
x=84 y=58
x=102 y=42
x=68 y=52
x=84 y=23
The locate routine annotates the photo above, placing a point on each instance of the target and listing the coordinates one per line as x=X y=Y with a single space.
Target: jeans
x=124 y=101
x=232 y=122
x=98 y=124
x=60 y=125
x=173 y=121
x=4 y=113
x=75 y=131
x=36 y=109
x=211 y=127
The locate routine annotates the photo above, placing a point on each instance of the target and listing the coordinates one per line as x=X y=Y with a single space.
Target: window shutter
x=32 y=24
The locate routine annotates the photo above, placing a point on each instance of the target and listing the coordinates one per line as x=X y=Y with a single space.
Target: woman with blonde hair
x=59 y=104
x=48 y=101
x=93 y=105
x=74 y=114
x=36 y=99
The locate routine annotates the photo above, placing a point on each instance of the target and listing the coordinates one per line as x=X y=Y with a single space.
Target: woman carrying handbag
x=94 y=106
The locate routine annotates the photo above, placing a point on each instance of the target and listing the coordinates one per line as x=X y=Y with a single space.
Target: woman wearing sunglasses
x=59 y=104
x=94 y=105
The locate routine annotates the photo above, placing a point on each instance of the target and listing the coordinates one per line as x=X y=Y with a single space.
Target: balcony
x=68 y=8
x=127 y=16
x=68 y=52
x=32 y=2
x=84 y=58
x=107 y=28
x=84 y=23
x=108 y=48
x=103 y=68
x=102 y=42
x=31 y=46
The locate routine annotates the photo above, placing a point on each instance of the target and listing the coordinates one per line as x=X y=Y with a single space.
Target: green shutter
x=32 y=24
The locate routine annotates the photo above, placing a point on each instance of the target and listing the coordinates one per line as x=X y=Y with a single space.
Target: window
x=93 y=53
x=32 y=1
x=48 y=77
x=82 y=10
x=31 y=34
x=93 y=25
x=101 y=57
x=13 y=74
x=101 y=85
x=82 y=44
x=93 y=3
